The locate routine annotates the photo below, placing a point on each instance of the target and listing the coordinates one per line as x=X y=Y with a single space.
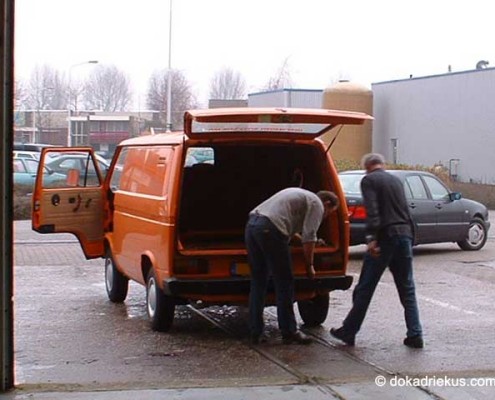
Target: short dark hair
x=325 y=195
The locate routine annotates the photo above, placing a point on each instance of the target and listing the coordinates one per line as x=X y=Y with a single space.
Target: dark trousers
x=269 y=255
x=396 y=253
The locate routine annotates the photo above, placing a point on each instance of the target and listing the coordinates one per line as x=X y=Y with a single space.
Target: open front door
x=68 y=197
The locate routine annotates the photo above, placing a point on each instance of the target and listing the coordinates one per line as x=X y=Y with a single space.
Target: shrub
x=22 y=196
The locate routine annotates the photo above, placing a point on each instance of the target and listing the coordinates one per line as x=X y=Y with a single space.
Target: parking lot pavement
x=72 y=343
x=299 y=392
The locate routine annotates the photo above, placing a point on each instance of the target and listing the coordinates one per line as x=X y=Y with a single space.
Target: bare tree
x=107 y=89
x=182 y=95
x=281 y=79
x=20 y=94
x=227 y=84
x=46 y=89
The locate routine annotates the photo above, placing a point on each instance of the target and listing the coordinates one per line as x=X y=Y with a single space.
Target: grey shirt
x=292 y=211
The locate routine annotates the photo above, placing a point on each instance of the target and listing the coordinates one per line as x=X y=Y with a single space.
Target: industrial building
x=352 y=141
x=443 y=119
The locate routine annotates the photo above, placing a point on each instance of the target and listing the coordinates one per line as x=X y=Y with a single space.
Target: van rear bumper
x=240 y=285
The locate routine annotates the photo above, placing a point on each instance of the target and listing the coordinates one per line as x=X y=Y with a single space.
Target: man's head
x=372 y=161
x=330 y=201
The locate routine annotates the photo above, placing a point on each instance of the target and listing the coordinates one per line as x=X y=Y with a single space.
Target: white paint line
x=439 y=303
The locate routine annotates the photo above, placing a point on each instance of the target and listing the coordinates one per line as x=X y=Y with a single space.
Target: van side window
x=144 y=170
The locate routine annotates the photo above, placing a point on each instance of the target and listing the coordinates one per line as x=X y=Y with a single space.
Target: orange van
x=171 y=211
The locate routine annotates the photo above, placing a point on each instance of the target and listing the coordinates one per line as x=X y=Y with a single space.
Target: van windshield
x=199 y=155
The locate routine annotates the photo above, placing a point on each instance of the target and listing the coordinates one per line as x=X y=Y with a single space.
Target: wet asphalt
x=72 y=343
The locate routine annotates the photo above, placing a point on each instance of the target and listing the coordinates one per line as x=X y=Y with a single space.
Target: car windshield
x=351 y=183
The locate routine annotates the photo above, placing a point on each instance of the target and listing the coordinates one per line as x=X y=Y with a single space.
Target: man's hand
x=296 y=240
x=374 y=249
x=310 y=272
x=321 y=243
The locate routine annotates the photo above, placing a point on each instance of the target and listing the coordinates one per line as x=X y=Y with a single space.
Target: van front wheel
x=116 y=283
x=314 y=311
x=160 y=307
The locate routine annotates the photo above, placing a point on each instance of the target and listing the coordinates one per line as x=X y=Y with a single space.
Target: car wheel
x=116 y=283
x=160 y=307
x=476 y=237
x=314 y=311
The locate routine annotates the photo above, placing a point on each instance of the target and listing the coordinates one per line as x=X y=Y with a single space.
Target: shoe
x=415 y=342
x=297 y=337
x=343 y=336
x=257 y=339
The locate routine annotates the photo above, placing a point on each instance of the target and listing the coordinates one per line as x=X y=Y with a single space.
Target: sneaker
x=343 y=336
x=297 y=337
x=257 y=339
x=415 y=342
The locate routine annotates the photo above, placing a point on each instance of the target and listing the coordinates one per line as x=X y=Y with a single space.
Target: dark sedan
x=63 y=163
x=439 y=215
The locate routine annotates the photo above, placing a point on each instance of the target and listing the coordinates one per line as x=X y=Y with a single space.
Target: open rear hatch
x=295 y=123
x=218 y=193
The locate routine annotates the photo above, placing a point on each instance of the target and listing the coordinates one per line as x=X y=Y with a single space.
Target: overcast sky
x=324 y=40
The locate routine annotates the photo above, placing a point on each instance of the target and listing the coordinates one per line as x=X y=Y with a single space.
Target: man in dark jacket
x=389 y=241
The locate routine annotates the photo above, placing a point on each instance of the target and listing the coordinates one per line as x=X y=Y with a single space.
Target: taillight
x=357 y=212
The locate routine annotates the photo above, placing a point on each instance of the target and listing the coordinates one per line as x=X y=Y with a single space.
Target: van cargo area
x=218 y=194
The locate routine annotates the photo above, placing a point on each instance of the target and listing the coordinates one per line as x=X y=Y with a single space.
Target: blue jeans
x=269 y=255
x=396 y=253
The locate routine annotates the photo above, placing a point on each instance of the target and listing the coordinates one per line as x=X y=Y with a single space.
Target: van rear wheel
x=314 y=311
x=116 y=283
x=160 y=307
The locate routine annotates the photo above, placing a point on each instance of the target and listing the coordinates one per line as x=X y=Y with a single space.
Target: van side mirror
x=455 y=196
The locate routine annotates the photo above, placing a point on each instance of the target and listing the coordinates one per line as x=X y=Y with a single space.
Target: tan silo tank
x=354 y=141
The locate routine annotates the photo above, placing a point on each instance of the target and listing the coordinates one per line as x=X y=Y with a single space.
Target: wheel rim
x=476 y=234
x=151 y=297
x=108 y=274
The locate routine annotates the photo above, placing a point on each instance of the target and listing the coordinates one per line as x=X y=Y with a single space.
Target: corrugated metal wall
x=447 y=119
x=299 y=98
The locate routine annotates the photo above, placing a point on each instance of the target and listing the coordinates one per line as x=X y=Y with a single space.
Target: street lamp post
x=69 y=125
x=169 y=75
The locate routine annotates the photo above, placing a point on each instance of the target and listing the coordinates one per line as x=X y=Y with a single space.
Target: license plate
x=240 y=269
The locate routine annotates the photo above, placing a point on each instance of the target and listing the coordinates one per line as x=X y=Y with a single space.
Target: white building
x=298 y=98
x=447 y=119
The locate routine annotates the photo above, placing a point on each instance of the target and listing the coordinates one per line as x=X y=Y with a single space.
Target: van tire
x=314 y=311
x=160 y=307
x=116 y=283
